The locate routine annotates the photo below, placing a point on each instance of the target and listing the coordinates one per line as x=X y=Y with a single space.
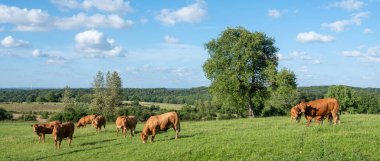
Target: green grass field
x=36 y=107
x=273 y=138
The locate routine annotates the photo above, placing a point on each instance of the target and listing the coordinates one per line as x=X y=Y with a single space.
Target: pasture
x=35 y=107
x=273 y=138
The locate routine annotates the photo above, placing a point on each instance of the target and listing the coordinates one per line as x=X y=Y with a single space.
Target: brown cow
x=319 y=109
x=161 y=123
x=61 y=131
x=295 y=114
x=85 y=120
x=124 y=123
x=98 y=122
x=42 y=129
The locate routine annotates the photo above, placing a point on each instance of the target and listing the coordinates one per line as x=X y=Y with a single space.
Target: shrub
x=57 y=117
x=5 y=115
x=29 y=117
x=44 y=115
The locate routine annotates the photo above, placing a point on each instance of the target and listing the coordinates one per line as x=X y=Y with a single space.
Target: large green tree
x=238 y=66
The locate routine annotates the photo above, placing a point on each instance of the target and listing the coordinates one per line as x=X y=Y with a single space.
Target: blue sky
x=54 y=43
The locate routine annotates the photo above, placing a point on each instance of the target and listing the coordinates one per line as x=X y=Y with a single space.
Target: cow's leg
x=335 y=117
x=125 y=132
x=39 y=138
x=131 y=131
x=318 y=120
x=291 y=119
x=59 y=144
x=55 y=143
x=176 y=133
x=309 y=121
x=153 y=135
x=43 y=137
x=70 y=139
x=117 y=131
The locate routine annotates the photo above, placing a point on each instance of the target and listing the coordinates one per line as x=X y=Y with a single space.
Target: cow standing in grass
x=319 y=109
x=161 y=123
x=42 y=129
x=61 y=131
x=98 y=122
x=85 y=120
x=124 y=123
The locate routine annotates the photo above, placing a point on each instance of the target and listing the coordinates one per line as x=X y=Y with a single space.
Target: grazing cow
x=98 y=122
x=161 y=123
x=295 y=114
x=124 y=123
x=61 y=131
x=42 y=129
x=85 y=120
x=328 y=107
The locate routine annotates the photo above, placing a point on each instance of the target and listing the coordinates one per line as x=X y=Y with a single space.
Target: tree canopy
x=238 y=67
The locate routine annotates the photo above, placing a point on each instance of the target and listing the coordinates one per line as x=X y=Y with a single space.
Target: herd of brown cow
x=66 y=130
x=318 y=109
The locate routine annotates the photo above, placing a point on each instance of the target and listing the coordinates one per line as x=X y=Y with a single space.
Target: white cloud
x=111 y=6
x=299 y=56
x=38 y=20
x=24 y=19
x=94 y=21
x=353 y=53
x=52 y=57
x=306 y=37
x=274 y=13
x=170 y=39
x=367 y=31
x=93 y=43
x=190 y=14
x=349 y=4
x=10 y=42
x=341 y=25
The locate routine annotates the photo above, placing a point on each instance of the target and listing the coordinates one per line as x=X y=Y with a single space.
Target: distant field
x=162 y=105
x=56 y=107
x=272 y=138
x=25 y=107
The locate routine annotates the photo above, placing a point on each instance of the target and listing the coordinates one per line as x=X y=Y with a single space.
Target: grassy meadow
x=273 y=138
x=35 y=107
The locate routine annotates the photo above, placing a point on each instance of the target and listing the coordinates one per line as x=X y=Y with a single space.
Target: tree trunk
x=250 y=110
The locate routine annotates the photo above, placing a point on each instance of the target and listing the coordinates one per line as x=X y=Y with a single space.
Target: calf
x=98 y=122
x=61 y=131
x=124 y=123
x=42 y=129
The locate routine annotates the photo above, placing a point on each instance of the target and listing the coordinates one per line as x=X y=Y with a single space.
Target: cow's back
x=323 y=107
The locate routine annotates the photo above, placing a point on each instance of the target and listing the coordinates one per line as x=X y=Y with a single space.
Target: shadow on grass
x=70 y=152
x=173 y=138
x=96 y=142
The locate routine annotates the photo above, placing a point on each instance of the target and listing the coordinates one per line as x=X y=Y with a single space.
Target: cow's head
x=79 y=125
x=302 y=106
x=57 y=131
x=37 y=127
x=144 y=137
